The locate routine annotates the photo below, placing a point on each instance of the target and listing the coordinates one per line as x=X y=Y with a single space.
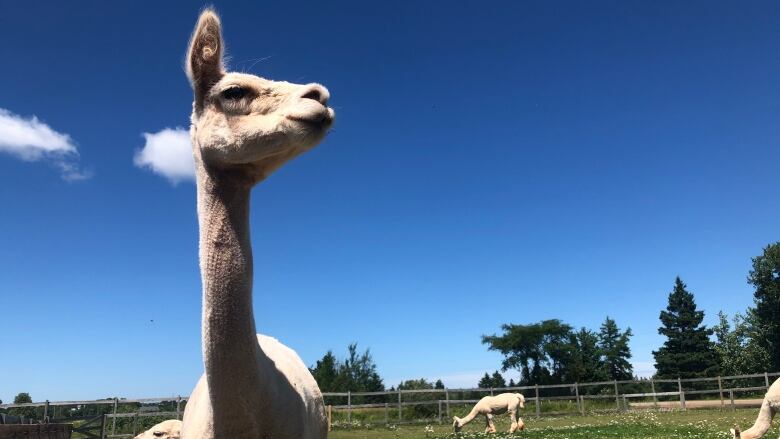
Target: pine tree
x=588 y=364
x=765 y=277
x=614 y=347
x=486 y=382
x=438 y=385
x=687 y=351
x=497 y=380
x=325 y=372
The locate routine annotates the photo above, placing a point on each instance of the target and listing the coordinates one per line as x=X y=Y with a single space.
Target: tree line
x=554 y=352
x=550 y=352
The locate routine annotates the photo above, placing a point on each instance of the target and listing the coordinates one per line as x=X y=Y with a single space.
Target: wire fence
x=125 y=418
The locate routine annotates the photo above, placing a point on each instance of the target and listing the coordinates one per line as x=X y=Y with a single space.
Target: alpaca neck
x=230 y=348
x=762 y=424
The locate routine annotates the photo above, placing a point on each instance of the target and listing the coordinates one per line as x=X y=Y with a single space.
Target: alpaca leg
x=513 y=422
x=489 y=426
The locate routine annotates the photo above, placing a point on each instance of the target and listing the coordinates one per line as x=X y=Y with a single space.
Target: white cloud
x=168 y=153
x=32 y=140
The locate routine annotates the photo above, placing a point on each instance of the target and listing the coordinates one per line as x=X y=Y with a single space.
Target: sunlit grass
x=668 y=425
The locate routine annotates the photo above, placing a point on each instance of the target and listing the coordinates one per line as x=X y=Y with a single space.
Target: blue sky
x=491 y=162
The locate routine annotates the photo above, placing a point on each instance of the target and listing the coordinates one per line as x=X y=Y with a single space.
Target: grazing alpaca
x=495 y=405
x=170 y=429
x=769 y=408
x=243 y=128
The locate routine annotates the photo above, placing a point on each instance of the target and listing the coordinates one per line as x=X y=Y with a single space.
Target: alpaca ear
x=204 y=56
x=735 y=433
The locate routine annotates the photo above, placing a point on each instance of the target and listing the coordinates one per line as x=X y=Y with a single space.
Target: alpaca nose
x=316 y=92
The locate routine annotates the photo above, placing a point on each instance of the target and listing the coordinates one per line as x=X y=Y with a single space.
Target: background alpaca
x=769 y=408
x=510 y=403
x=170 y=429
x=243 y=128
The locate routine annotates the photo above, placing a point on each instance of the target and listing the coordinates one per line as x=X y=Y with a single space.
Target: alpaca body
x=296 y=400
x=769 y=408
x=488 y=406
x=243 y=128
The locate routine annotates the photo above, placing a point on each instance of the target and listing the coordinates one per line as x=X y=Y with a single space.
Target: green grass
x=667 y=425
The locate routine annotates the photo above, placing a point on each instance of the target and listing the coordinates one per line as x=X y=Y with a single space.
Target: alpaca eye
x=234 y=93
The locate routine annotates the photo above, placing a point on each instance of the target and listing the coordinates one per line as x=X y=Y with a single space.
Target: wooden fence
x=404 y=406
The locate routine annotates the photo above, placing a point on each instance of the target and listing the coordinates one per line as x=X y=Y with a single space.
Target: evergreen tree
x=687 y=351
x=485 y=382
x=326 y=371
x=357 y=373
x=438 y=385
x=511 y=383
x=588 y=365
x=614 y=347
x=765 y=277
x=497 y=380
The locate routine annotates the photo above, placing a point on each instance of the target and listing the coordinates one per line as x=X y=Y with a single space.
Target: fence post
x=577 y=395
x=330 y=417
x=400 y=417
x=491 y=391
x=440 y=412
x=387 y=413
x=178 y=407
x=349 y=406
x=617 y=396
x=447 y=397
x=766 y=379
x=103 y=426
x=720 y=392
x=538 y=402
x=46 y=412
x=731 y=396
x=682 y=394
x=113 y=418
x=655 y=397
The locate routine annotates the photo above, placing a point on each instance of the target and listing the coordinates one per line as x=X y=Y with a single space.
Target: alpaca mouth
x=311 y=112
x=321 y=118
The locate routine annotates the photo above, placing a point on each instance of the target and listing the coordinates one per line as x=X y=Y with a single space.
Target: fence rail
x=432 y=405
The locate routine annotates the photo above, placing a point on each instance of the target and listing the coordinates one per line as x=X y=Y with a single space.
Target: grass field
x=667 y=425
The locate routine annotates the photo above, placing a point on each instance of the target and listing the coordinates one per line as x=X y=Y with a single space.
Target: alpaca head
x=170 y=429
x=522 y=400
x=243 y=122
x=456 y=424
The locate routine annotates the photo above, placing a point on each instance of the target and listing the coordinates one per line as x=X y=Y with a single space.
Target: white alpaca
x=243 y=128
x=769 y=408
x=170 y=429
x=510 y=403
